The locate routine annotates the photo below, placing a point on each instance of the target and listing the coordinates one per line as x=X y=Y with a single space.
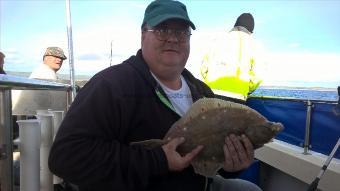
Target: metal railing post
x=6 y=144
x=306 y=144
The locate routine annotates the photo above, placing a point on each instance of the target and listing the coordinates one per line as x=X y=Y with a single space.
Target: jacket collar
x=240 y=28
x=140 y=65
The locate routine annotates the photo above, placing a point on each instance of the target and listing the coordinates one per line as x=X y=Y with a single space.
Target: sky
x=299 y=40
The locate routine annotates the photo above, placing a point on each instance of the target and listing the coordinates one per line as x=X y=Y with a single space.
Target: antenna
x=70 y=48
x=111 y=54
x=339 y=95
x=336 y=109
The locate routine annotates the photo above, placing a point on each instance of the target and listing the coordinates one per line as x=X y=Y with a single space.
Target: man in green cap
x=138 y=100
x=53 y=60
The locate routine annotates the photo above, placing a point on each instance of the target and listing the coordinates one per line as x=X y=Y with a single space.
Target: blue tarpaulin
x=324 y=124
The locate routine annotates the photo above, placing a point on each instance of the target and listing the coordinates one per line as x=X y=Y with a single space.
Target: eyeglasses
x=165 y=34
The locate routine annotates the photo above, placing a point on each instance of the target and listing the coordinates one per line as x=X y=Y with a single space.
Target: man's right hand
x=176 y=162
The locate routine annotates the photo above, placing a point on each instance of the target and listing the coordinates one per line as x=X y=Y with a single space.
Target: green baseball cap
x=161 y=10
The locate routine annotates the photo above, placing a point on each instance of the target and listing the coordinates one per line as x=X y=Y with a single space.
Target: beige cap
x=55 y=51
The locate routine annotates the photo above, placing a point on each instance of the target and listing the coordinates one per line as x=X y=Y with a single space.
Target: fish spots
x=208 y=121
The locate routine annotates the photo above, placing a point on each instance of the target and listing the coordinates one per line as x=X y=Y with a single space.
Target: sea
x=324 y=94
x=313 y=91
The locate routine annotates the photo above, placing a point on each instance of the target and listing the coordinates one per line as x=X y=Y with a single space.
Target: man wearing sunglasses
x=138 y=100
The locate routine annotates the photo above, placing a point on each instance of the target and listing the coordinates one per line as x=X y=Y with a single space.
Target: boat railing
x=310 y=107
x=307 y=128
x=298 y=153
x=7 y=84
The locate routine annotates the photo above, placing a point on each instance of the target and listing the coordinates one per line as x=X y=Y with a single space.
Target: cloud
x=92 y=50
x=294 y=45
x=279 y=68
x=13 y=56
x=88 y=57
x=308 y=67
x=15 y=60
x=139 y=5
x=91 y=47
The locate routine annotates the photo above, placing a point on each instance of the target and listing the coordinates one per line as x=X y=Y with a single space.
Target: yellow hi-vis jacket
x=228 y=68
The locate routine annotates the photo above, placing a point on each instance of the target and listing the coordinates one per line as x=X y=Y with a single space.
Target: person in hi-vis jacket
x=229 y=66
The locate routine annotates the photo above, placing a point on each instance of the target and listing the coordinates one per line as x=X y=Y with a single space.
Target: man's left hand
x=238 y=153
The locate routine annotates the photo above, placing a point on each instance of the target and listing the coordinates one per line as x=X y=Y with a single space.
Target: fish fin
x=150 y=144
x=206 y=168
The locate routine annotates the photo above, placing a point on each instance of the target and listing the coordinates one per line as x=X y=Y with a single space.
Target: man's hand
x=238 y=153
x=175 y=161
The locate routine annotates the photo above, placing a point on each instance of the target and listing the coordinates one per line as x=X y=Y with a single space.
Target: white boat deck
x=290 y=161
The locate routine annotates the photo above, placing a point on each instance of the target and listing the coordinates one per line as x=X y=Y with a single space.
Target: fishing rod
x=314 y=185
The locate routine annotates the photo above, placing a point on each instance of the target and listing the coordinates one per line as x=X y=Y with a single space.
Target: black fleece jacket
x=119 y=105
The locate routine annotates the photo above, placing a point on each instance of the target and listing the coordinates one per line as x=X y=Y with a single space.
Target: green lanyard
x=165 y=101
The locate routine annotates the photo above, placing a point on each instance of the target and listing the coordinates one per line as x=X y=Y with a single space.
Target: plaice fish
x=207 y=123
